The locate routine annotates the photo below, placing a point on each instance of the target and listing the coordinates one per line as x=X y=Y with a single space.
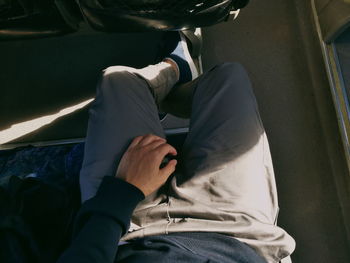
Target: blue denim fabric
x=54 y=164
x=194 y=247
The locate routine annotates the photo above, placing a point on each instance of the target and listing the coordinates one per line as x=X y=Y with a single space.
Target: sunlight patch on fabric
x=20 y=129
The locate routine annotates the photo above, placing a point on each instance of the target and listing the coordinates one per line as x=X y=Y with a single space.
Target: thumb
x=168 y=169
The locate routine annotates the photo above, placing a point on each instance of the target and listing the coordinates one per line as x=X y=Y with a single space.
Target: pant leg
x=224 y=181
x=226 y=157
x=227 y=182
x=123 y=109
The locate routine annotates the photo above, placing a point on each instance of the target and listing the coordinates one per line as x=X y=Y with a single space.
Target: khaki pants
x=224 y=181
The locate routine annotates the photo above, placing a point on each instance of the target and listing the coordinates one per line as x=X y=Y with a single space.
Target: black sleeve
x=102 y=221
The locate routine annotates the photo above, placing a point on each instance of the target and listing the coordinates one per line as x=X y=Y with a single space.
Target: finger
x=155 y=144
x=147 y=139
x=163 y=150
x=136 y=141
x=168 y=169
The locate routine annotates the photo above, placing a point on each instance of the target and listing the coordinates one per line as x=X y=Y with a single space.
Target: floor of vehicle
x=275 y=41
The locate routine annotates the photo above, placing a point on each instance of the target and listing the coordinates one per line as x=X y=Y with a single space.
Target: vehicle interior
x=296 y=52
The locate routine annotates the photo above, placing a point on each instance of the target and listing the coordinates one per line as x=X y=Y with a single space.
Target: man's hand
x=140 y=164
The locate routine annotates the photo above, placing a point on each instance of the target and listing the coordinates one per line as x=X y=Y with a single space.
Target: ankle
x=174 y=66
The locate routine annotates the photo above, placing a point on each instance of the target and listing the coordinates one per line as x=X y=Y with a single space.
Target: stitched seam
x=168 y=216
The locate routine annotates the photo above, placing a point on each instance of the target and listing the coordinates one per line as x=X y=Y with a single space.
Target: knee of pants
x=229 y=78
x=231 y=71
x=117 y=80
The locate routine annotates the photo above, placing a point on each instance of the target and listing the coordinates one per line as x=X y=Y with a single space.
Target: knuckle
x=155 y=151
x=158 y=143
x=170 y=147
x=162 y=147
x=156 y=136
